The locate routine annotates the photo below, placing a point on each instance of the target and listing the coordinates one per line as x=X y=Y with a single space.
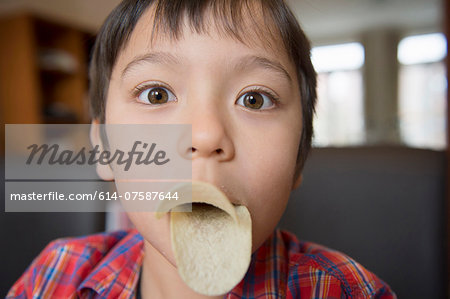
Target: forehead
x=252 y=28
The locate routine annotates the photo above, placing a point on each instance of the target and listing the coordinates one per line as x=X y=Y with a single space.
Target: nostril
x=192 y=149
x=219 y=151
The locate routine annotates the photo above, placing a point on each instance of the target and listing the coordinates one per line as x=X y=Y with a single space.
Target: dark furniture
x=383 y=206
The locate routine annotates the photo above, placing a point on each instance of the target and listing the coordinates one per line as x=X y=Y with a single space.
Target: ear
x=104 y=171
x=297 y=182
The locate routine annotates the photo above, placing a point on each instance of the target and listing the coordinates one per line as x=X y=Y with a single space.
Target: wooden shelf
x=33 y=93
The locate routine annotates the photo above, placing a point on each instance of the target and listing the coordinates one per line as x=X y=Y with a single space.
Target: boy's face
x=243 y=102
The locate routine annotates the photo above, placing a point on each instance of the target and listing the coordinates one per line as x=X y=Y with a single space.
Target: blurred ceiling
x=323 y=20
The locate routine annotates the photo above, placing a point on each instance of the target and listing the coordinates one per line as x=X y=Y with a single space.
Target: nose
x=211 y=134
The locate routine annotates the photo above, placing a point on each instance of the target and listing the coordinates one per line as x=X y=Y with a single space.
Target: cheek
x=268 y=165
x=269 y=155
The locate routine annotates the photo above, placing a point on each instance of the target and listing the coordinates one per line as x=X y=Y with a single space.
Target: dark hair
x=230 y=17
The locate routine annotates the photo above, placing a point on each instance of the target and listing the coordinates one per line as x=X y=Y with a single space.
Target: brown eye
x=253 y=100
x=158 y=96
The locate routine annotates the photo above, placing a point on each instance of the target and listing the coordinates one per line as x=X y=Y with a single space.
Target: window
x=422 y=91
x=340 y=117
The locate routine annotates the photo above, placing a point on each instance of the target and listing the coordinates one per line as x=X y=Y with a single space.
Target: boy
x=240 y=73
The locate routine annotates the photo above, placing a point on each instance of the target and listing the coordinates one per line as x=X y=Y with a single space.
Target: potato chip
x=212 y=243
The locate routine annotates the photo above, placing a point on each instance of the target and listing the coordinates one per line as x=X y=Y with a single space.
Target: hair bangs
x=239 y=19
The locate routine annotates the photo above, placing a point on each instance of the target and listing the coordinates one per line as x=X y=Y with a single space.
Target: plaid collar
x=118 y=272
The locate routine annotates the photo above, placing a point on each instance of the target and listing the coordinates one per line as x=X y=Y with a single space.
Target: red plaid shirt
x=108 y=265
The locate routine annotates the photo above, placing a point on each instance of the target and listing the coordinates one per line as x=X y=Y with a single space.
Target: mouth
x=197 y=193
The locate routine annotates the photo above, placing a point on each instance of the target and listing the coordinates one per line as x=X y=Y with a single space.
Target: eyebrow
x=154 y=58
x=242 y=64
x=251 y=60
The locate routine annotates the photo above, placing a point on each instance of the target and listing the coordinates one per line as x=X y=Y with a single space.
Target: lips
x=199 y=192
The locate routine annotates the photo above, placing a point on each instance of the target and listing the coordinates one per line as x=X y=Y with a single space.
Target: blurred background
x=375 y=183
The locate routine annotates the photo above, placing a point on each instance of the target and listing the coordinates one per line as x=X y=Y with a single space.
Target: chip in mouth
x=212 y=242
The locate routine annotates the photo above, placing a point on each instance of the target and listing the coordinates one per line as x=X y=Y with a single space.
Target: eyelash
x=265 y=91
x=258 y=89
x=148 y=85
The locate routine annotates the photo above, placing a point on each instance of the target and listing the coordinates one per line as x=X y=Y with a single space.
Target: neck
x=160 y=278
